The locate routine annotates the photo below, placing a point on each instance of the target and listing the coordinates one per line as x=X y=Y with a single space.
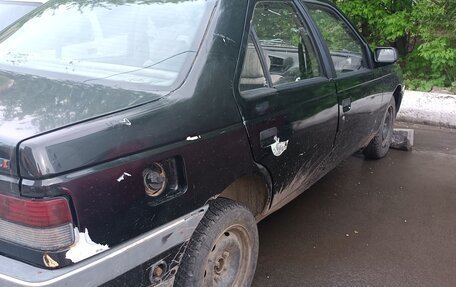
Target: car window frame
x=306 y=21
x=262 y=56
x=367 y=53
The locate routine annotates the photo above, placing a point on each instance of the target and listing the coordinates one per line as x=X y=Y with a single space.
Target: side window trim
x=323 y=50
x=326 y=67
x=319 y=46
x=251 y=38
x=262 y=56
x=365 y=47
x=304 y=20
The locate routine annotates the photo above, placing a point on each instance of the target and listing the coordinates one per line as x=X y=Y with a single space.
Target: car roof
x=320 y=1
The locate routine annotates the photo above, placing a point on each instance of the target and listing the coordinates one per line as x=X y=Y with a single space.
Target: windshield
x=148 y=42
x=11 y=11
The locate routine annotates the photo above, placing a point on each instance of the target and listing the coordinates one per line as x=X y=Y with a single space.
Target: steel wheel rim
x=229 y=259
x=386 y=129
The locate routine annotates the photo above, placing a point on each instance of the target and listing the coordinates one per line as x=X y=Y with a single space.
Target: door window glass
x=346 y=50
x=252 y=76
x=285 y=41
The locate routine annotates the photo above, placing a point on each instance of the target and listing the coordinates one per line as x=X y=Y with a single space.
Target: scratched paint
x=193 y=138
x=225 y=39
x=126 y=122
x=122 y=177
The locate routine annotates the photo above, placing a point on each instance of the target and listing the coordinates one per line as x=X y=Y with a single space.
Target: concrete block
x=403 y=139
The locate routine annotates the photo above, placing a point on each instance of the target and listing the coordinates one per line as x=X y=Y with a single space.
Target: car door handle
x=346 y=104
x=268 y=137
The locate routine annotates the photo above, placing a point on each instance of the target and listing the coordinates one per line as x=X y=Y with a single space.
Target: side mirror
x=386 y=55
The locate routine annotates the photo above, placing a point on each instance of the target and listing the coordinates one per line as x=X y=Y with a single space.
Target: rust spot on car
x=49 y=262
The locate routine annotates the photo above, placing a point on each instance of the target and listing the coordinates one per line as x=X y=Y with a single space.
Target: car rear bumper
x=105 y=266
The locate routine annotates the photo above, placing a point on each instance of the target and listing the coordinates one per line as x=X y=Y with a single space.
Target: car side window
x=252 y=76
x=347 y=52
x=285 y=41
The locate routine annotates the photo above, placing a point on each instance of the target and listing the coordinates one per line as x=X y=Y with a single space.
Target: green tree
x=423 y=31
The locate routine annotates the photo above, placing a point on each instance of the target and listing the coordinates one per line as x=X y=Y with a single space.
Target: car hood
x=32 y=105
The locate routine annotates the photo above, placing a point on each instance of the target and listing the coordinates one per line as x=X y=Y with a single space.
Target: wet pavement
x=370 y=223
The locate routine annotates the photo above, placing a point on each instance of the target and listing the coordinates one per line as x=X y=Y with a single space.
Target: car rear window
x=137 y=42
x=11 y=11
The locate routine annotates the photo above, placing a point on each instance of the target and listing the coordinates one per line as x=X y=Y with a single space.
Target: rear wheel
x=223 y=250
x=380 y=144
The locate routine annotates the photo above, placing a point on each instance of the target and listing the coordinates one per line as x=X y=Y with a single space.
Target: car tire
x=380 y=144
x=223 y=250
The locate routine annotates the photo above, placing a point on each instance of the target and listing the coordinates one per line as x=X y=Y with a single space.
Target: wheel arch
x=254 y=191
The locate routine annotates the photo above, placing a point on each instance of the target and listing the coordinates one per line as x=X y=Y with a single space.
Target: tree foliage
x=423 y=31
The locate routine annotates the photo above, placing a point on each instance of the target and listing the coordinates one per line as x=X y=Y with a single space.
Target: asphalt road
x=370 y=223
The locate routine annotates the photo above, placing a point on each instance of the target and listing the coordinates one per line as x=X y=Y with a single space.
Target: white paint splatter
x=122 y=177
x=83 y=247
x=224 y=38
x=194 y=138
x=126 y=122
x=278 y=147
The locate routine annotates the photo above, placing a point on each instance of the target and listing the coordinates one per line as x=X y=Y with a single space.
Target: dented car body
x=115 y=138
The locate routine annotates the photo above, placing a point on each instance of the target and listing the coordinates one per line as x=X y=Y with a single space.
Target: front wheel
x=223 y=250
x=380 y=144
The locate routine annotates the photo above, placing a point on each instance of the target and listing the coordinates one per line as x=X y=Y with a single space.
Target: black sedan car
x=141 y=141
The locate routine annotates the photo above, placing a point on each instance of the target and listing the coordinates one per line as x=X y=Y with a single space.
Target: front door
x=360 y=97
x=288 y=103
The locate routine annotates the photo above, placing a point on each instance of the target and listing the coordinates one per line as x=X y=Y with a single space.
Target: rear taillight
x=40 y=224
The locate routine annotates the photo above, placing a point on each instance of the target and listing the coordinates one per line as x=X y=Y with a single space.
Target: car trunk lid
x=32 y=106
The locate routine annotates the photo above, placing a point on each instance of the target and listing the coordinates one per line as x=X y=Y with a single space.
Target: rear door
x=288 y=103
x=359 y=96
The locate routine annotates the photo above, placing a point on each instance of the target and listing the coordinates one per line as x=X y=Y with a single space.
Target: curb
x=428 y=108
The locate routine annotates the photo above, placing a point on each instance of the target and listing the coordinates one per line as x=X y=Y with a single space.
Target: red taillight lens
x=35 y=213
x=40 y=224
